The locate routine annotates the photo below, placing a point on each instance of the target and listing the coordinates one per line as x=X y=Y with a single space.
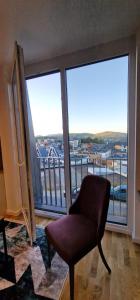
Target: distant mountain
x=111 y=135
x=106 y=135
x=82 y=135
x=72 y=136
x=55 y=136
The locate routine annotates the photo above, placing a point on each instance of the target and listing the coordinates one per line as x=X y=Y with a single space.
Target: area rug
x=26 y=275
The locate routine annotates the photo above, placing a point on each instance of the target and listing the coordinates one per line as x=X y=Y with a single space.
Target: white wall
x=90 y=55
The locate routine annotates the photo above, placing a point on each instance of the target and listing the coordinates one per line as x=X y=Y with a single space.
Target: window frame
x=93 y=55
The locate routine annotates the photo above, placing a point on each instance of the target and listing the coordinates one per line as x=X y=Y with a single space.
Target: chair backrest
x=93 y=200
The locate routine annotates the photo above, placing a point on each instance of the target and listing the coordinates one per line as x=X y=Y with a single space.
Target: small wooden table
x=2 y=230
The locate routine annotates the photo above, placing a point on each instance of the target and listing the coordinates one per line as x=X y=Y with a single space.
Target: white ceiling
x=48 y=28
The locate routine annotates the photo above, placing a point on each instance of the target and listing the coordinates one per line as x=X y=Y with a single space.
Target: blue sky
x=97 y=99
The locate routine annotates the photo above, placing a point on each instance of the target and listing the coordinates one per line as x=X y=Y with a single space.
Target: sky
x=97 y=99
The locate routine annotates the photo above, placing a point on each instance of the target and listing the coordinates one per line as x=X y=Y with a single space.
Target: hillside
x=111 y=135
x=106 y=135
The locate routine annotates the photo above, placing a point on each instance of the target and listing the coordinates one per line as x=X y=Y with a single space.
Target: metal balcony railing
x=53 y=183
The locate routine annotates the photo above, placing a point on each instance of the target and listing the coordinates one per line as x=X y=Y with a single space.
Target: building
x=42 y=151
x=74 y=144
x=55 y=152
x=105 y=154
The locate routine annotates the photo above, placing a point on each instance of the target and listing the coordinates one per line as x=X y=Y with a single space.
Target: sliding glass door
x=80 y=124
x=97 y=110
x=45 y=101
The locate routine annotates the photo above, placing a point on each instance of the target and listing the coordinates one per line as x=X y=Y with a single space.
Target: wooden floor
x=92 y=282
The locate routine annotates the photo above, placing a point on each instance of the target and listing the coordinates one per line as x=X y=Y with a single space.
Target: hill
x=111 y=135
x=106 y=136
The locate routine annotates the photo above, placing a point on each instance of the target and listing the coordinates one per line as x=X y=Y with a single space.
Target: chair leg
x=49 y=255
x=103 y=258
x=5 y=244
x=71 y=277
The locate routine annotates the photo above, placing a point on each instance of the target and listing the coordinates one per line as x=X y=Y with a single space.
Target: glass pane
x=97 y=104
x=45 y=101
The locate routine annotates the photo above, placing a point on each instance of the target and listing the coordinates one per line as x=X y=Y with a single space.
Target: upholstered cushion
x=93 y=200
x=72 y=236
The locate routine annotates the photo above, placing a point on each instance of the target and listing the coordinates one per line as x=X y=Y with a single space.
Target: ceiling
x=49 y=28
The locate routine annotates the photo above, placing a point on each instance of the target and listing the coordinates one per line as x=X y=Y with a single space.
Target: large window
x=97 y=113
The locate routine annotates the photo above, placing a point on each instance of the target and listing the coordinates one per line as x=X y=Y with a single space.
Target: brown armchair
x=74 y=235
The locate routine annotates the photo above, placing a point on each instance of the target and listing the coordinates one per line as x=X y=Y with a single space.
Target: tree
x=90 y=140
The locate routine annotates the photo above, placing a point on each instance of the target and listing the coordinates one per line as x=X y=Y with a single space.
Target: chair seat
x=72 y=236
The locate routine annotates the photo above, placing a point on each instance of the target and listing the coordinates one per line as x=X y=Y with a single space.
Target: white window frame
x=95 y=54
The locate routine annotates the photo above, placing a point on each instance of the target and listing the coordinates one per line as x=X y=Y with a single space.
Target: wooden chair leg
x=5 y=244
x=71 y=277
x=49 y=255
x=103 y=258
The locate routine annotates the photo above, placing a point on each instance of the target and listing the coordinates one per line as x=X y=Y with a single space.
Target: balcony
x=53 y=184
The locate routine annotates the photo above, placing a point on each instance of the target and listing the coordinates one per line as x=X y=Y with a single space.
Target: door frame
x=110 y=50
x=18 y=72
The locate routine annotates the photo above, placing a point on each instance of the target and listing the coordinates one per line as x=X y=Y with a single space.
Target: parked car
x=119 y=192
x=74 y=192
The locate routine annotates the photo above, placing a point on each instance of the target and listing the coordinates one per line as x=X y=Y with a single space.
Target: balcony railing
x=53 y=183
